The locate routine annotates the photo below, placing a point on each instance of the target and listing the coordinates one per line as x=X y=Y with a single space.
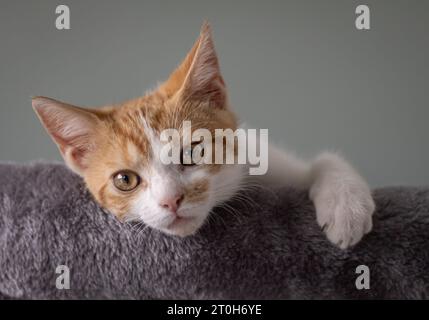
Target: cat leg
x=343 y=201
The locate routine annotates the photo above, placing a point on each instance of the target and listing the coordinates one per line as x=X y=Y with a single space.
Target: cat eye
x=193 y=152
x=126 y=180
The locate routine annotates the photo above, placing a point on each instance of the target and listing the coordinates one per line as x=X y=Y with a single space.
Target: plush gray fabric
x=270 y=250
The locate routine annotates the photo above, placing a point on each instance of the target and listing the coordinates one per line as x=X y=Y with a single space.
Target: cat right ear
x=72 y=128
x=198 y=76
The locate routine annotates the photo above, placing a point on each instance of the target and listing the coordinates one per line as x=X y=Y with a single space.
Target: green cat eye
x=126 y=180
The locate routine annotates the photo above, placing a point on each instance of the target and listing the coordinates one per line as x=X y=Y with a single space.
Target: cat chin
x=183 y=227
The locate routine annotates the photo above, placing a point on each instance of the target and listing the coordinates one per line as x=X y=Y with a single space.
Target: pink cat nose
x=172 y=203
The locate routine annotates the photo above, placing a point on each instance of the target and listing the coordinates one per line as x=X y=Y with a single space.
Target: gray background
x=299 y=68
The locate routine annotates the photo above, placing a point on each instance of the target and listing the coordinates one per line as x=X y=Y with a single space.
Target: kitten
x=115 y=149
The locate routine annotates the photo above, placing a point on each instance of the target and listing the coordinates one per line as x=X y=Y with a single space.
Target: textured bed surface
x=271 y=250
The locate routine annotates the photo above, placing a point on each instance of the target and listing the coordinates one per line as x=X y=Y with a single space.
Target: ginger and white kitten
x=114 y=149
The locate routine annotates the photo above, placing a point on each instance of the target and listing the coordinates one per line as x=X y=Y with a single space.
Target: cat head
x=116 y=148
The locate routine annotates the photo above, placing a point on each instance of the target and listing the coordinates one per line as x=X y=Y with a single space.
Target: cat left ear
x=73 y=129
x=198 y=77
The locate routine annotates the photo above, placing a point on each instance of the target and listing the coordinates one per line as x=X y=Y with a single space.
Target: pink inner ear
x=72 y=128
x=198 y=77
x=204 y=79
x=75 y=145
x=78 y=156
x=213 y=92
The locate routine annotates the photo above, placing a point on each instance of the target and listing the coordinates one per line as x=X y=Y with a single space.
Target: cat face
x=116 y=149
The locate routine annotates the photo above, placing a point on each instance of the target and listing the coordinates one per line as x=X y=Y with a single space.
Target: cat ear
x=72 y=128
x=198 y=77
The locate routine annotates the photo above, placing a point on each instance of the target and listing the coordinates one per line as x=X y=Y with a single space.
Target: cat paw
x=344 y=211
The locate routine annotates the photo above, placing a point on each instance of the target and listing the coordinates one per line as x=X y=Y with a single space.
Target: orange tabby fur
x=177 y=199
x=117 y=140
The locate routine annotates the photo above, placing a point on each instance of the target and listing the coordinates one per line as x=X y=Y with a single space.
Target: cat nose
x=172 y=203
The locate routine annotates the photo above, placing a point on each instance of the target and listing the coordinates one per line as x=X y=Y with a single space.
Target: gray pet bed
x=272 y=251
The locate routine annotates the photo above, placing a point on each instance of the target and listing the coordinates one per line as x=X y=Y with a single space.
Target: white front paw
x=344 y=210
